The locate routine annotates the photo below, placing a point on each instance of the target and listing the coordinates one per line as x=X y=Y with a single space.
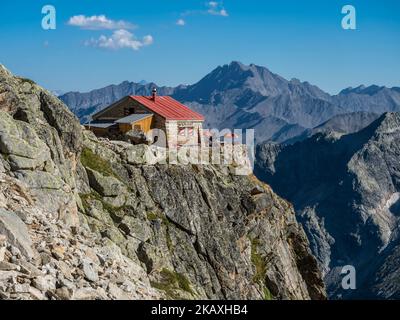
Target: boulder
x=107 y=186
x=64 y=293
x=7 y=266
x=23 y=163
x=135 y=227
x=40 y=179
x=2 y=253
x=7 y=124
x=89 y=271
x=16 y=232
x=44 y=283
x=2 y=168
x=117 y=293
x=36 y=294
x=144 y=154
x=137 y=137
x=89 y=294
x=16 y=146
x=64 y=121
x=136 y=154
x=20 y=139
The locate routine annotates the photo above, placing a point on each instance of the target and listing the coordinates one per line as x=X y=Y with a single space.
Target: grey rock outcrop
x=16 y=232
x=198 y=231
x=43 y=258
x=106 y=186
x=108 y=221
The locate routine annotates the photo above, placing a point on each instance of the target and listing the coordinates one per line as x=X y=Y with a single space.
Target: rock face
x=85 y=218
x=346 y=191
x=16 y=232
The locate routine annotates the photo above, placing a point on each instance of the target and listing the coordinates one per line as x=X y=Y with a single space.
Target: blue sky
x=301 y=39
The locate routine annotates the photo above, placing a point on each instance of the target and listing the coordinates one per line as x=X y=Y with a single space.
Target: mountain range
x=250 y=96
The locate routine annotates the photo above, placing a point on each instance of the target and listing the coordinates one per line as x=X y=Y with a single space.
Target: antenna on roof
x=154 y=93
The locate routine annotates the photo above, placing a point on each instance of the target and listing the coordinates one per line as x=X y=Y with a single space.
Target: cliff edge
x=86 y=218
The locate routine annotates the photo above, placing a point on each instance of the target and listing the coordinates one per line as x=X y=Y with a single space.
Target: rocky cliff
x=83 y=218
x=346 y=191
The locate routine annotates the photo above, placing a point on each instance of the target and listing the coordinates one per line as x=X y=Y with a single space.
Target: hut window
x=129 y=111
x=186 y=132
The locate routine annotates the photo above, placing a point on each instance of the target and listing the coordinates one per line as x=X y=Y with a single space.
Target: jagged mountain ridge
x=345 y=189
x=341 y=124
x=86 y=218
x=241 y=96
x=377 y=99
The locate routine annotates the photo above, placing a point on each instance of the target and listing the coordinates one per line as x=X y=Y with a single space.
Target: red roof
x=168 y=108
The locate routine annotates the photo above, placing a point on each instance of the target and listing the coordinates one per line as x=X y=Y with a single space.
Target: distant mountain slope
x=348 y=122
x=342 y=123
x=373 y=99
x=240 y=96
x=346 y=191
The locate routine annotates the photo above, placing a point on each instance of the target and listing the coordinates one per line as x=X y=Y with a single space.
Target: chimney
x=154 y=94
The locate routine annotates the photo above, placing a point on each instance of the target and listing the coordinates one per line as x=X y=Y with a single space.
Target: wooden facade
x=127 y=107
x=143 y=125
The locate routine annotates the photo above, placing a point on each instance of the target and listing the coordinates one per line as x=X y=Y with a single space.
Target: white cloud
x=100 y=22
x=223 y=13
x=181 y=22
x=217 y=9
x=120 y=39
